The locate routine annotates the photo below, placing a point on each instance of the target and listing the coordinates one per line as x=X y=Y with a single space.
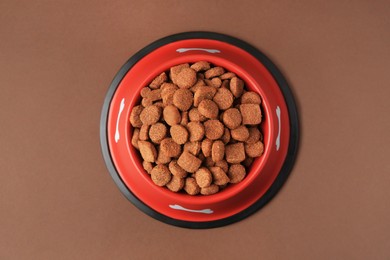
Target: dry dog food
x=197 y=128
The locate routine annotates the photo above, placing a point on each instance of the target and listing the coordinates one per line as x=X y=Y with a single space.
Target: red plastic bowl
x=279 y=127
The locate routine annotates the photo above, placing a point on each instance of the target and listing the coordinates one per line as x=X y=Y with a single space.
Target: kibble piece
x=240 y=133
x=208 y=109
x=148 y=166
x=184 y=118
x=219 y=175
x=195 y=116
x=145 y=92
x=183 y=99
x=216 y=82
x=144 y=132
x=206 y=147
x=200 y=65
x=251 y=114
x=232 y=118
x=167 y=91
x=214 y=72
x=217 y=151
x=198 y=84
x=208 y=83
x=162 y=158
x=160 y=175
x=145 y=102
x=186 y=78
x=235 y=153
x=176 y=184
x=176 y=170
x=255 y=149
x=135 y=138
x=254 y=135
x=160 y=79
x=250 y=97
x=191 y=187
x=226 y=136
x=236 y=173
x=179 y=134
x=223 y=165
x=135 y=116
x=157 y=132
x=225 y=84
x=203 y=92
x=213 y=129
x=223 y=98
x=212 y=189
x=248 y=161
x=189 y=162
x=203 y=177
x=154 y=95
x=192 y=147
x=171 y=115
x=170 y=147
x=174 y=71
x=208 y=162
x=150 y=115
x=148 y=151
x=196 y=131
x=227 y=75
x=236 y=86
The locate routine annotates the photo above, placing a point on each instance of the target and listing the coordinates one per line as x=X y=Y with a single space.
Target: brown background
x=57 y=59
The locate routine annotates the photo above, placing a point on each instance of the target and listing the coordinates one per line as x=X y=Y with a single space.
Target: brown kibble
x=225 y=84
x=203 y=177
x=144 y=132
x=135 y=138
x=251 y=114
x=235 y=153
x=213 y=129
x=217 y=151
x=192 y=147
x=208 y=109
x=196 y=131
x=145 y=92
x=150 y=115
x=200 y=65
x=191 y=187
x=223 y=165
x=208 y=162
x=145 y=102
x=184 y=118
x=248 y=161
x=203 y=92
x=159 y=104
x=148 y=151
x=176 y=170
x=232 y=118
x=162 y=158
x=135 y=116
x=198 y=84
x=176 y=184
x=223 y=98
x=208 y=83
x=195 y=116
x=214 y=72
x=171 y=115
x=170 y=147
x=189 y=162
x=254 y=135
x=216 y=82
x=160 y=79
x=240 y=133
x=250 y=97
x=219 y=175
x=227 y=75
x=167 y=91
x=206 y=147
x=186 y=78
x=157 y=132
x=160 y=175
x=179 y=134
x=236 y=173
x=226 y=136
x=183 y=99
x=174 y=71
x=236 y=86
x=212 y=189
x=255 y=149
x=148 y=166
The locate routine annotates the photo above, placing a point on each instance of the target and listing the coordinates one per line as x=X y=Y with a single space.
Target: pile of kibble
x=197 y=128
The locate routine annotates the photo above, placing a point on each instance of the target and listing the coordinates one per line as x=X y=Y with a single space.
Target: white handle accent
x=117 y=120
x=204 y=211
x=279 y=125
x=181 y=50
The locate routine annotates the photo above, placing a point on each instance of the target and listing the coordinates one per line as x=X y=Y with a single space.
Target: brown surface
x=57 y=200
